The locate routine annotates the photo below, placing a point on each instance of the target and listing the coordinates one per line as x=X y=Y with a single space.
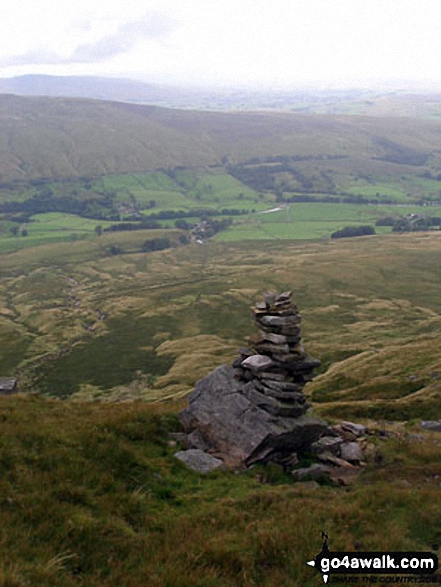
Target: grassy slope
x=61 y=137
x=371 y=311
x=93 y=495
x=195 y=191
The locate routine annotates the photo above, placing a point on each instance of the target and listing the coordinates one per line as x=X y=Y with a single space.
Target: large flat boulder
x=239 y=431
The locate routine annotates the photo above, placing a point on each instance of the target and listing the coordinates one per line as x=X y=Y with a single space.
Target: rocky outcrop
x=233 y=419
x=255 y=410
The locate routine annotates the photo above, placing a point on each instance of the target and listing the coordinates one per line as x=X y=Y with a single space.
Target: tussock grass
x=93 y=495
x=168 y=318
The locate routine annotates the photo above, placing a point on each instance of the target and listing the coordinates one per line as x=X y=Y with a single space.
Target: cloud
x=126 y=37
x=33 y=57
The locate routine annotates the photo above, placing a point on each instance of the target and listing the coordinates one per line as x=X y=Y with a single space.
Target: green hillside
x=66 y=137
x=78 y=321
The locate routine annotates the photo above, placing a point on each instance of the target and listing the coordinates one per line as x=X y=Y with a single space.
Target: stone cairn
x=276 y=362
x=254 y=411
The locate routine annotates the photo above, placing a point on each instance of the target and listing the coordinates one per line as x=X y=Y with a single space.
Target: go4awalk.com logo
x=373 y=563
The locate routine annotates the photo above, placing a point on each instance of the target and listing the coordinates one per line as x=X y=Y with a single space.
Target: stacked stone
x=276 y=363
x=254 y=410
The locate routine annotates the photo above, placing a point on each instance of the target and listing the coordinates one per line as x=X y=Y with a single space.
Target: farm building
x=7 y=385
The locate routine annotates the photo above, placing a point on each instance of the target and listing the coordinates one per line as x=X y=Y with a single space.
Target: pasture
x=310 y=221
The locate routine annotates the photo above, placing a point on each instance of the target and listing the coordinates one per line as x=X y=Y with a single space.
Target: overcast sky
x=275 y=43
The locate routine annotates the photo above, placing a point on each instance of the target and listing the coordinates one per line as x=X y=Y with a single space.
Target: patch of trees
x=293 y=158
x=199 y=212
x=101 y=208
x=413 y=224
x=428 y=175
x=15 y=230
x=19 y=218
x=115 y=250
x=264 y=177
x=183 y=224
x=156 y=244
x=351 y=231
x=127 y=226
x=210 y=226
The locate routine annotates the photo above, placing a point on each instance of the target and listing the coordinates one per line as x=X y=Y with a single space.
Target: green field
x=310 y=221
x=46 y=228
x=299 y=221
x=186 y=191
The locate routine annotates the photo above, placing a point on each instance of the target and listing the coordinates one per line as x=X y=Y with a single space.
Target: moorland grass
x=370 y=307
x=93 y=495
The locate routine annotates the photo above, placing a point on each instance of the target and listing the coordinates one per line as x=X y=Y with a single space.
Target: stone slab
x=257 y=363
x=237 y=429
x=198 y=461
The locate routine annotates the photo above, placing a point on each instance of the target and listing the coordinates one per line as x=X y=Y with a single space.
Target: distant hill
x=44 y=137
x=413 y=103
x=101 y=88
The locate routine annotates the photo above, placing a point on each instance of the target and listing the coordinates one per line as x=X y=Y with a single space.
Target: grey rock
x=279 y=321
x=257 y=362
x=269 y=347
x=275 y=338
x=196 y=440
x=198 y=461
x=329 y=458
x=293 y=396
x=356 y=429
x=272 y=405
x=282 y=305
x=238 y=361
x=315 y=471
x=351 y=451
x=237 y=429
x=433 y=425
x=180 y=437
x=339 y=431
x=304 y=365
x=264 y=375
x=327 y=444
